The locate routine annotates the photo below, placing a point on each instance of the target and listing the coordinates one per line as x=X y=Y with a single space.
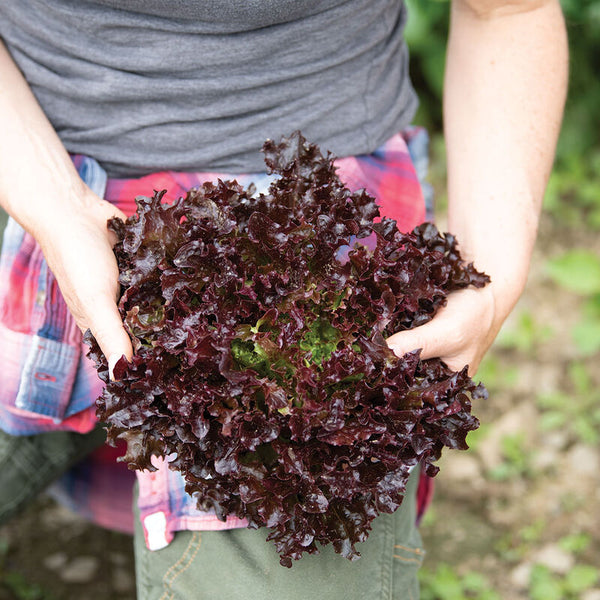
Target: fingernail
x=113 y=359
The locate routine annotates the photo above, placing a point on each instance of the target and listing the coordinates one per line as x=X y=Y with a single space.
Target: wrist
x=505 y=290
x=57 y=207
x=499 y=239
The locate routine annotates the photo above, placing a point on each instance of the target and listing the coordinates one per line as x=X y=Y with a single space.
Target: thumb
x=106 y=326
x=426 y=338
x=105 y=211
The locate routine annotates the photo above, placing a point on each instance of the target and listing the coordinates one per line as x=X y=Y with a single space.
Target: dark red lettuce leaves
x=260 y=364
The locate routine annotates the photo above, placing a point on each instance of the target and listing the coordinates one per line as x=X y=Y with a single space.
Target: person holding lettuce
x=101 y=100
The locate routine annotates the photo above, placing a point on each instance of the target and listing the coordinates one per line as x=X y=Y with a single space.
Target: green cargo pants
x=239 y=564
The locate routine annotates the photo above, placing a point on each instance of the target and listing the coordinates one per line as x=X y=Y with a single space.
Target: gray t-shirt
x=198 y=85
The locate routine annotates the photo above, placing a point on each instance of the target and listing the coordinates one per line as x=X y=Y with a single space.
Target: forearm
x=41 y=189
x=506 y=79
x=38 y=181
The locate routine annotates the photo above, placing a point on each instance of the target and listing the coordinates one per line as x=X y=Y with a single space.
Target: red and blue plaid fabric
x=48 y=383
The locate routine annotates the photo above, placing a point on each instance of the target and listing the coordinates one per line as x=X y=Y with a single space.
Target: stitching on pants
x=413 y=550
x=173 y=573
x=180 y=559
x=179 y=567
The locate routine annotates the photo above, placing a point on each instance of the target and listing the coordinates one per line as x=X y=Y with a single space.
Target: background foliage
x=426 y=35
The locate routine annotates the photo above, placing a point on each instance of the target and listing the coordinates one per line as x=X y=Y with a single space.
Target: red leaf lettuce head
x=260 y=365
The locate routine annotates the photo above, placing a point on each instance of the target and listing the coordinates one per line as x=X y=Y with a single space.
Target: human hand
x=460 y=333
x=78 y=249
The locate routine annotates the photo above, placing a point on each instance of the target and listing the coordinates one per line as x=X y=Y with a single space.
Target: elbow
x=489 y=9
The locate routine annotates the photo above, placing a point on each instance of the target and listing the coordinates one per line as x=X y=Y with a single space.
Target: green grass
x=576 y=408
